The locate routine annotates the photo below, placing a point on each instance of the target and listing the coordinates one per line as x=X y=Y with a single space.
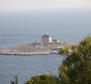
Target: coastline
x=48 y=45
x=32 y=53
x=28 y=49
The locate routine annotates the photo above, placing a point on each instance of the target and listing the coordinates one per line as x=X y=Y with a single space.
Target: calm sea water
x=21 y=28
x=26 y=66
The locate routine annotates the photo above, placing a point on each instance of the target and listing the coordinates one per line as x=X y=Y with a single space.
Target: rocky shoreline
x=28 y=49
x=48 y=45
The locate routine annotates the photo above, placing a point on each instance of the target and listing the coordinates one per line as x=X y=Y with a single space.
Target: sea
x=17 y=28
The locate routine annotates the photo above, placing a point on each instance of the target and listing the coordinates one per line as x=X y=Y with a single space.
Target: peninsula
x=47 y=45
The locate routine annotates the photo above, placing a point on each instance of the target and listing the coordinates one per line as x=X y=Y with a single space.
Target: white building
x=46 y=39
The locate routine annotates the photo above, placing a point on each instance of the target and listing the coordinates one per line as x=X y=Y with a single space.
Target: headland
x=47 y=45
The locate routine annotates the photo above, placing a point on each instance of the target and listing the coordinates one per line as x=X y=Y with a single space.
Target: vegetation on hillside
x=76 y=68
x=43 y=79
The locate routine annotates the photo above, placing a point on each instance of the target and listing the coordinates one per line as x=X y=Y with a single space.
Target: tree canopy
x=43 y=79
x=76 y=68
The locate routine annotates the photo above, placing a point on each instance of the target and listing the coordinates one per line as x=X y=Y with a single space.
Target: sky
x=29 y=5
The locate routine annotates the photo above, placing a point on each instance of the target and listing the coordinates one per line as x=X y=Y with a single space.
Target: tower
x=46 y=39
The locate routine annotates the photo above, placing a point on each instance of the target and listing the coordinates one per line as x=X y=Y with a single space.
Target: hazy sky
x=22 y=5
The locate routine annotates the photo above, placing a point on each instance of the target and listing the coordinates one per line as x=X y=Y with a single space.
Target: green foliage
x=76 y=68
x=43 y=79
x=64 y=51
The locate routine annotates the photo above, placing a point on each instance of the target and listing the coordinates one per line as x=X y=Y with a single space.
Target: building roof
x=45 y=35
